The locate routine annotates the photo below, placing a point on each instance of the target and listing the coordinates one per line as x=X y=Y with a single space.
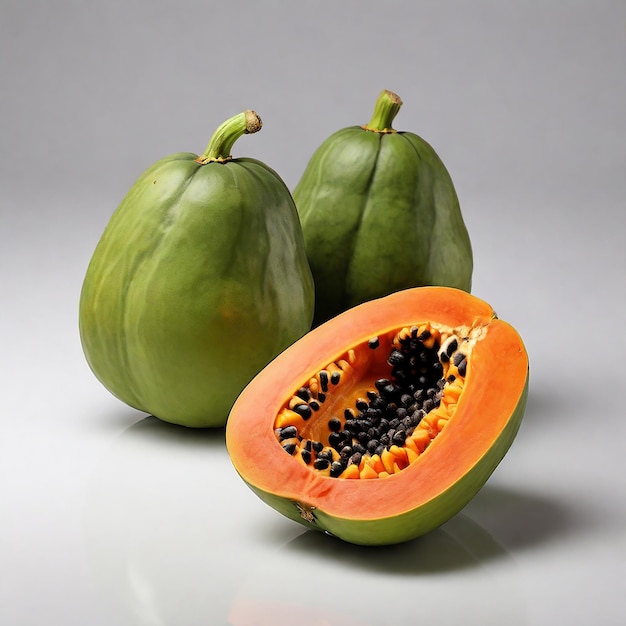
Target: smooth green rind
x=329 y=234
x=413 y=523
x=379 y=213
x=198 y=281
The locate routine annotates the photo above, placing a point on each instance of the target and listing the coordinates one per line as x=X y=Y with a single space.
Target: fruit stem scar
x=306 y=512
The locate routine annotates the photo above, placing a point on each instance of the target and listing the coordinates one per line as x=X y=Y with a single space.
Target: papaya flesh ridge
x=404 y=490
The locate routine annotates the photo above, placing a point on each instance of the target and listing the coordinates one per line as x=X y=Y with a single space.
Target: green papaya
x=379 y=213
x=199 y=279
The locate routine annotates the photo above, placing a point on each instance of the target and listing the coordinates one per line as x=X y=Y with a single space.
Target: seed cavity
x=382 y=428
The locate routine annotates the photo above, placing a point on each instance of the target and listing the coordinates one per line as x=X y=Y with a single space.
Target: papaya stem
x=385 y=110
x=227 y=133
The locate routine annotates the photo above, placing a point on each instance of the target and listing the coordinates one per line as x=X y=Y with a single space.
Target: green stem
x=225 y=136
x=385 y=110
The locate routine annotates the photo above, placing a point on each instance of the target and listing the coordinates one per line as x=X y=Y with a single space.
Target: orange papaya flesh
x=381 y=424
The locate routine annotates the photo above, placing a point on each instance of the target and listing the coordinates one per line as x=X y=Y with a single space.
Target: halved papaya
x=381 y=424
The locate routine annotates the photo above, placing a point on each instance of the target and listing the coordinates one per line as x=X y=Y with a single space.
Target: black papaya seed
x=457 y=358
x=336 y=469
x=304 y=410
x=326 y=453
x=372 y=444
x=396 y=358
x=452 y=346
x=381 y=383
x=289 y=447
x=334 y=424
x=335 y=440
x=304 y=394
x=355 y=459
x=321 y=463
x=323 y=375
x=399 y=438
x=462 y=367
x=346 y=452
x=289 y=432
x=361 y=404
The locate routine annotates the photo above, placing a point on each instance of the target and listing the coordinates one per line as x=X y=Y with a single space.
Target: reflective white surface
x=110 y=517
x=147 y=524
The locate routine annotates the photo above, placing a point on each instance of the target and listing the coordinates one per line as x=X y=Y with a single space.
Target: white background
x=108 y=517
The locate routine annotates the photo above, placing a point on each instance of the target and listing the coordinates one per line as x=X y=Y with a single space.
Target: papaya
x=381 y=424
x=379 y=213
x=199 y=279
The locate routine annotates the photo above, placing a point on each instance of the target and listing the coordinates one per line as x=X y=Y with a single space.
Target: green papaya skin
x=379 y=213
x=198 y=281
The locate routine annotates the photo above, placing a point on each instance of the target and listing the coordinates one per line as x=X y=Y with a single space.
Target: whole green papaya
x=379 y=214
x=198 y=281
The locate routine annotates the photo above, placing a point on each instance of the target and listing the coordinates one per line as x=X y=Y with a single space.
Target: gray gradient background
x=111 y=518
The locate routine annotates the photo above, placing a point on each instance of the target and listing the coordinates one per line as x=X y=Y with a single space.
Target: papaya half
x=379 y=213
x=381 y=424
x=199 y=279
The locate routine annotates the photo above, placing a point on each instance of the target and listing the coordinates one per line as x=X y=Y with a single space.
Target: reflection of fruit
x=379 y=214
x=265 y=613
x=381 y=424
x=457 y=574
x=154 y=522
x=199 y=279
